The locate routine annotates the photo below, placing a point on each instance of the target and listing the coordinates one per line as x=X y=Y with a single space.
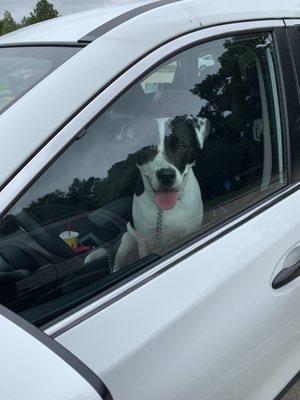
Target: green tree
x=7 y=23
x=42 y=11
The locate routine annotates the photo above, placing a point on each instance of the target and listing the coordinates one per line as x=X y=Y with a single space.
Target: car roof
x=126 y=33
x=73 y=27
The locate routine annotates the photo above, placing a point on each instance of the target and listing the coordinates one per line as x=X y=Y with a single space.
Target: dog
x=167 y=204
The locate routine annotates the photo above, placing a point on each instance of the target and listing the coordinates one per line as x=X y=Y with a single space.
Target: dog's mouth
x=166 y=198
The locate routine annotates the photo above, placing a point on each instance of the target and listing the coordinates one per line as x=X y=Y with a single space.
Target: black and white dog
x=167 y=207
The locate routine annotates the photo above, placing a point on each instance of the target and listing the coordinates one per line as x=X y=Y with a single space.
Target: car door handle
x=286 y=276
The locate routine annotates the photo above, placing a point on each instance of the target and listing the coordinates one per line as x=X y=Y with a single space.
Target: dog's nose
x=166 y=176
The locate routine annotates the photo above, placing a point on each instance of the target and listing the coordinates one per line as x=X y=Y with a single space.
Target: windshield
x=21 y=68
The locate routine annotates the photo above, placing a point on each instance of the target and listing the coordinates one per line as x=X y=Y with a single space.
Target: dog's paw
x=95 y=255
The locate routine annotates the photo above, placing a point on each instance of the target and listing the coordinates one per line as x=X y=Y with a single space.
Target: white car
x=150 y=226
x=205 y=61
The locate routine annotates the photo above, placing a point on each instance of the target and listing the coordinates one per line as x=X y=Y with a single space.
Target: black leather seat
x=47 y=237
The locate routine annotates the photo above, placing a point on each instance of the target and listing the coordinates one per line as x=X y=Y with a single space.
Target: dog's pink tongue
x=166 y=199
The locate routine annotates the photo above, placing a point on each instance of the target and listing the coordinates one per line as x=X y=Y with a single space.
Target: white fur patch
x=95 y=255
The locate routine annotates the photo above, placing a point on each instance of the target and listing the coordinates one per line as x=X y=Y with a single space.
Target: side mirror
x=34 y=366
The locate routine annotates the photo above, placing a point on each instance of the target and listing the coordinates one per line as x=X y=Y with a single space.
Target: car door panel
x=210 y=327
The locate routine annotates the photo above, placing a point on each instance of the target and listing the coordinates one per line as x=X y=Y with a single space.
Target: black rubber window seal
x=120 y=19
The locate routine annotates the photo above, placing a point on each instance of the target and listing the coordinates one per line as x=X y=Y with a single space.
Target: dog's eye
x=181 y=147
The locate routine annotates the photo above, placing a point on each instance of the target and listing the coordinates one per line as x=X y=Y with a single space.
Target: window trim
x=292 y=35
x=77 y=127
x=127 y=16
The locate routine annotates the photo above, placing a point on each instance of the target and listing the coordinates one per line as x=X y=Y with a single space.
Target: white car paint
x=76 y=81
x=209 y=328
x=168 y=339
x=70 y=28
x=31 y=370
x=73 y=27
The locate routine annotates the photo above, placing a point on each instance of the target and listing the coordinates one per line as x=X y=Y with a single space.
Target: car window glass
x=195 y=142
x=160 y=79
x=21 y=68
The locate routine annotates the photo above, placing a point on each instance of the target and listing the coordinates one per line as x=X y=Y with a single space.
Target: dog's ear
x=202 y=127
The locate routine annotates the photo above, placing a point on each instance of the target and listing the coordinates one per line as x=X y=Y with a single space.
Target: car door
x=214 y=314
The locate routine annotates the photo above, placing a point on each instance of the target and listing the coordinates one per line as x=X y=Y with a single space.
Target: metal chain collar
x=159 y=228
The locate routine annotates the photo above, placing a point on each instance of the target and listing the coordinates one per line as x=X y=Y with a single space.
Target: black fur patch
x=180 y=145
x=146 y=154
x=139 y=187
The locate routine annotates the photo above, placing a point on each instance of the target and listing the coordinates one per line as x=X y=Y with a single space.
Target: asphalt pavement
x=293 y=393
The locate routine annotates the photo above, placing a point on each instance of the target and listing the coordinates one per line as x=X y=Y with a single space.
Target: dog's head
x=165 y=165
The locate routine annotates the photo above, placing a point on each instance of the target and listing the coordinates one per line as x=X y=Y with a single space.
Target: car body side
x=181 y=346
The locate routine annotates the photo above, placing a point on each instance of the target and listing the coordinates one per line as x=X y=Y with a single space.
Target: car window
x=160 y=79
x=21 y=68
x=182 y=151
x=204 y=61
